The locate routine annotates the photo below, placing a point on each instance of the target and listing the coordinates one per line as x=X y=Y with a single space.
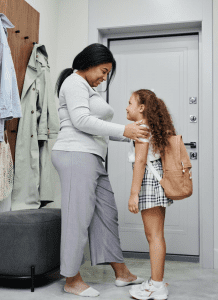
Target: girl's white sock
x=157 y=284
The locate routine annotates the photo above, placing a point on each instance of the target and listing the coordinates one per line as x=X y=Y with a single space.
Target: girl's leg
x=153 y=219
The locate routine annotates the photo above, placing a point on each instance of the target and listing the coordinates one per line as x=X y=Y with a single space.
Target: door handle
x=191 y=144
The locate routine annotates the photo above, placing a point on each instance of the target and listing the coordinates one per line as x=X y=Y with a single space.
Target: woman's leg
x=103 y=231
x=78 y=176
x=122 y=272
x=153 y=219
x=75 y=284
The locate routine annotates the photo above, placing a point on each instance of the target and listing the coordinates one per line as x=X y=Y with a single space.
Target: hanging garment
x=9 y=94
x=32 y=180
x=6 y=169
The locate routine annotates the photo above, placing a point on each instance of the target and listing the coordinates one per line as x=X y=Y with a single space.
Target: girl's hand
x=133 y=203
x=135 y=131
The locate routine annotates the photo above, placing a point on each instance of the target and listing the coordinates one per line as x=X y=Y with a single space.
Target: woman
x=88 y=205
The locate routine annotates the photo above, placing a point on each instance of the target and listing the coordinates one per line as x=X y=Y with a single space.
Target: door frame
x=206 y=183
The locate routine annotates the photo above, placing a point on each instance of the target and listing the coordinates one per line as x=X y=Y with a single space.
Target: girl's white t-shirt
x=131 y=153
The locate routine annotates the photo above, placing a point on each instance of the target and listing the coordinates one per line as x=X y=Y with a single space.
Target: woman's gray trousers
x=88 y=209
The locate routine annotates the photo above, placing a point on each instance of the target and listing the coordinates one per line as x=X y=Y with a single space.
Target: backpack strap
x=153 y=170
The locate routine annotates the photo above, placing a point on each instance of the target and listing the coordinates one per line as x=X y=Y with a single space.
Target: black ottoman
x=29 y=242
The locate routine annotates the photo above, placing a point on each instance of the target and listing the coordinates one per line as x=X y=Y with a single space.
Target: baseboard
x=172 y=257
x=215 y=258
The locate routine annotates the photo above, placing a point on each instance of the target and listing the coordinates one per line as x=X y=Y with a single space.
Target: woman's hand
x=135 y=131
x=133 y=203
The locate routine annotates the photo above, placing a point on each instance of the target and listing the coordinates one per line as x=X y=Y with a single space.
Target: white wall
x=215 y=127
x=122 y=13
x=48 y=28
x=63 y=29
x=72 y=31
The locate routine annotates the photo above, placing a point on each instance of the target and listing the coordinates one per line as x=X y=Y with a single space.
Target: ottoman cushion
x=29 y=238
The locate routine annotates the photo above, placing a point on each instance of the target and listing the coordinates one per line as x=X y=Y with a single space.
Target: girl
x=147 y=195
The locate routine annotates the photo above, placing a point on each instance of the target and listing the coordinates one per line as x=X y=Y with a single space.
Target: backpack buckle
x=190 y=177
x=183 y=167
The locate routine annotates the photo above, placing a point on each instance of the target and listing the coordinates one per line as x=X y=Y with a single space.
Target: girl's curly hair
x=159 y=119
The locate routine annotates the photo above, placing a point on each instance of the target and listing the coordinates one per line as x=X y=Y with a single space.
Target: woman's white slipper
x=124 y=283
x=90 y=292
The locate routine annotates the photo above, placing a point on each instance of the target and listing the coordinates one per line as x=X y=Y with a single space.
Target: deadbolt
x=193 y=155
x=193 y=119
x=193 y=100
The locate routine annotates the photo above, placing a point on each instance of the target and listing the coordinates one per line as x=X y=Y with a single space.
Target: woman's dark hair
x=92 y=55
x=159 y=119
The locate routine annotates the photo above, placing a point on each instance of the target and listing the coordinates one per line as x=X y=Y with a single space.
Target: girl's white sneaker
x=147 y=290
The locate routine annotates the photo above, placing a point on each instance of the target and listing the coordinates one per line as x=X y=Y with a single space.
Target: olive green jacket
x=32 y=176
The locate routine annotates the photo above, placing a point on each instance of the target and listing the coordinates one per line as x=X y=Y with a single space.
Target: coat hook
x=26 y=37
x=17 y=31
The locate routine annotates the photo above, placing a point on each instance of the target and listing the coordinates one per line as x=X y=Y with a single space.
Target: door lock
x=193 y=119
x=192 y=100
x=193 y=155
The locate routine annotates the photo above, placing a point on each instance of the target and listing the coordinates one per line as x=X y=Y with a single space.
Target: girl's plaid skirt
x=151 y=193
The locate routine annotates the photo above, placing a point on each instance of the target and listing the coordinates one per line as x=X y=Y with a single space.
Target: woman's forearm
x=78 y=105
x=138 y=174
x=92 y=125
x=119 y=139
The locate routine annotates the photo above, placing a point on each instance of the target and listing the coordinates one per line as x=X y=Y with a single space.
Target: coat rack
x=26 y=21
x=26 y=37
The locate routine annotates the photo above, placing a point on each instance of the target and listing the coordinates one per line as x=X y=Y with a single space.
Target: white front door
x=169 y=67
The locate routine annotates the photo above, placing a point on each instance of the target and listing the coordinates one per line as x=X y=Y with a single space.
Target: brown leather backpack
x=177 y=175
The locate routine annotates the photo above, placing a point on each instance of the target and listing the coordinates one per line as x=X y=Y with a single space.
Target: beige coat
x=32 y=180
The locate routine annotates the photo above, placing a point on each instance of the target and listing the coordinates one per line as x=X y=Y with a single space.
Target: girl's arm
x=141 y=152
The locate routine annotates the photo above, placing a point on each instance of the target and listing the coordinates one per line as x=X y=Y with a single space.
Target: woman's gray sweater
x=85 y=119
